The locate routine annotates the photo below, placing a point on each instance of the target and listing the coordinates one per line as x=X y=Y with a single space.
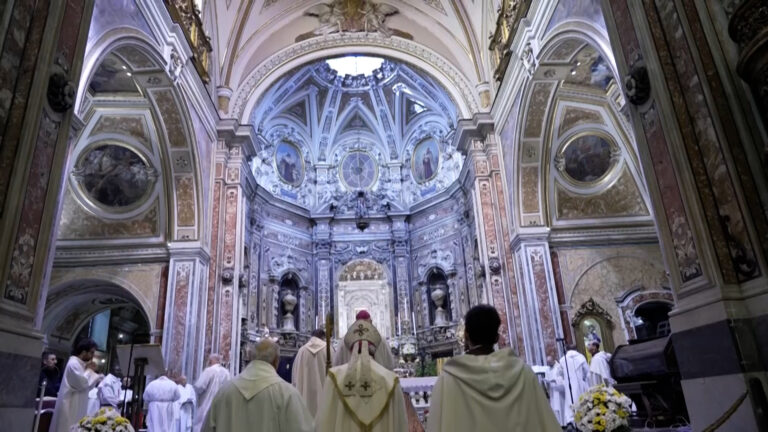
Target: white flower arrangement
x=602 y=409
x=106 y=419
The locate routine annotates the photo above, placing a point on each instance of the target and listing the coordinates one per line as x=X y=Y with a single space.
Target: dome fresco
x=326 y=135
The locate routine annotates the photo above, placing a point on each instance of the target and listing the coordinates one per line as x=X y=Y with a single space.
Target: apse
x=358 y=162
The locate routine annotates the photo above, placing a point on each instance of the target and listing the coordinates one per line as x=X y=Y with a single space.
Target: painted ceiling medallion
x=352 y=16
x=115 y=176
x=289 y=163
x=587 y=158
x=358 y=170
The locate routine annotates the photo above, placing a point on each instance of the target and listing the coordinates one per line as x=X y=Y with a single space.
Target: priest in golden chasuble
x=362 y=395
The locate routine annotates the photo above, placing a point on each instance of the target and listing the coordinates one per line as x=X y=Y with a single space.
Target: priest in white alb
x=206 y=386
x=258 y=399
x=79 y=378
x=555 y=388
x=488 y=390
x=309 y=370
x=362 y=395
x=185 y=405
x=383 y=354
x=161 y=395
x=574 y=371
x=599 y=365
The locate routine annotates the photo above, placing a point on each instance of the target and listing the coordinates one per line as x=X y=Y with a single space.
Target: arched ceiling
x=325 y=135
x=246 y=33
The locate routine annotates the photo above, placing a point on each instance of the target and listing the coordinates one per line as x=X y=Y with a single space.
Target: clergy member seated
x=362 y=395
x=488 y=390
x=599 y=366
x=309 y=370
x=258 y=399
x=161 y=394
x=383 y=354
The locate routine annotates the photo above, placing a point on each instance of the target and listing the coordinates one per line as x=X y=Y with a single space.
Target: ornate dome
x=327 y=136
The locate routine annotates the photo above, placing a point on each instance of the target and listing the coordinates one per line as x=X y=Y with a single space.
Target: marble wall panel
x=185 y=200
x=605 y=273
x=132 y=126
x=538 y=105
x=77 y=223
x=169 y=112
x=529 y=184
x=213 y=269
x=686 y=253
x=573 y=116
x=622 y=199
x=180 y=313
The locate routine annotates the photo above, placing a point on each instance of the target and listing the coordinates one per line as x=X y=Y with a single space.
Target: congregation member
x=79 y=378
x=206 y=386
x=488 y=390
x=362 y=395
x=185 y=405
x=309 y=370
x=161 y=395
x=599 y=365
x=49 y=373
x=574 y=371
x=258 y=399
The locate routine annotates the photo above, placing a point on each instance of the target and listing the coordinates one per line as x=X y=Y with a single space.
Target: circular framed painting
x=358 y=170
x=587 y=158
x=114 y=176
x=425 y=160
x=289 y=164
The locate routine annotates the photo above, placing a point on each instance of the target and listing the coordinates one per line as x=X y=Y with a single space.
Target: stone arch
x=608 y=278
x=245 y=96
x=365 y=283
x=74 y=301
x=637 y=296
x=176 y=138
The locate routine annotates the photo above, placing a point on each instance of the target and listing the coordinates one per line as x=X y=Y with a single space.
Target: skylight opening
x=355 y=65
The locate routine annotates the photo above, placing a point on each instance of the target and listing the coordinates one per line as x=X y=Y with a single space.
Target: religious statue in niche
x=425 y=160
x=289 y=163
x=352 y=16
x=115 y=176
x=587 y=158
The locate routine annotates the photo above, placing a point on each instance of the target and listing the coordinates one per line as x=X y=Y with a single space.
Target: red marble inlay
x=541 y=285
x=229 y=249
x=161 y=299
x=180 y=301
x=213 y=268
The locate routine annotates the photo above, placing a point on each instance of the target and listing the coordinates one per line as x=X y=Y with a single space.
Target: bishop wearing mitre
x=362 y=395
x=382 y=355
x=309 y=370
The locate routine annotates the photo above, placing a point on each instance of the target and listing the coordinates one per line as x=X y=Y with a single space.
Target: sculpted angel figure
x=374 y=15
x=330 y=16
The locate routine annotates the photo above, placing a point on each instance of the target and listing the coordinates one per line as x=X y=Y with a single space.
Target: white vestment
x=495 y=392
x=577 y=373
x=206 y=386
x=72 y=401
x=383 y=356
x=185 y=406
x=600 y=369
x=109 y=391
x=258 y=400
x=556 y=391
x=343 y=409
x=161 y=394
x=309 y=372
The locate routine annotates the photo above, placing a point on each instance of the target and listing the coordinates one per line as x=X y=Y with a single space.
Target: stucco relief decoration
x=352 y=16
x=591 y=307
x=279 y=264
x=114 y=176
x=437 y=257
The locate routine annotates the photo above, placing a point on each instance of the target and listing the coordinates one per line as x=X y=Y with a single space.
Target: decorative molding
x=591 y=307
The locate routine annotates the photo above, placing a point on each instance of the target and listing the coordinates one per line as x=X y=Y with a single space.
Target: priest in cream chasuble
x=362 y=395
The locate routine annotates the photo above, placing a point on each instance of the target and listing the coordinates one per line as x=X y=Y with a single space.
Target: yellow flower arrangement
x=602 y=409
x=105 y=420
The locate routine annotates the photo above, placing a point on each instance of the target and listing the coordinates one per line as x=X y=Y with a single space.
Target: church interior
x=201 y=174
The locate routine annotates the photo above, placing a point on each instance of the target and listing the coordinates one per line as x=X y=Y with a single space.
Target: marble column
x=539 y=309
x=183 y=333
x=709 y=214
x=40 y=57
x=322 y=240
x=401 y=254
x=489 y=197
x=233 y=183
x=747 y=27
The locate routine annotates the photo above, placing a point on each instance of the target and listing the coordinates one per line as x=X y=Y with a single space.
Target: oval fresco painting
x=114 y=176
x=289 y=163
x=425 y=160
x=587 y=158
